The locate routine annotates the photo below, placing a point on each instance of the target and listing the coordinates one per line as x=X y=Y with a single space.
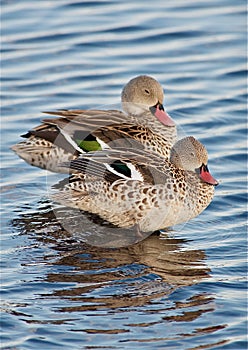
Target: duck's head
x=190 y=154
x=145 y=94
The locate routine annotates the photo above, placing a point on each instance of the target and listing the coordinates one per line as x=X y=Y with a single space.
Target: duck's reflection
x=94 y=278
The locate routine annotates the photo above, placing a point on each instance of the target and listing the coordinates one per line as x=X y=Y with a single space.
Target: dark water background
x=184 y=290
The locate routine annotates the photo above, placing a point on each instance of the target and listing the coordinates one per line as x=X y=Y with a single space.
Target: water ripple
x=183 y=289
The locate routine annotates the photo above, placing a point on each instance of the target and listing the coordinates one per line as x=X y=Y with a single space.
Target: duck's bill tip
x=163 y=116
x=208 y=178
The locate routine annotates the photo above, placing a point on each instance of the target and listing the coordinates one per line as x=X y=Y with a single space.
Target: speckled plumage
x=168 y=195
x=44 y=154
x=144 y=125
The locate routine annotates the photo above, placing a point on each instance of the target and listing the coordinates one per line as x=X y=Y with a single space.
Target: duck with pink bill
x=142 y=124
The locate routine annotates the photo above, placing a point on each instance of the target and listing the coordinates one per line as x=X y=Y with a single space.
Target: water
x=183 y=290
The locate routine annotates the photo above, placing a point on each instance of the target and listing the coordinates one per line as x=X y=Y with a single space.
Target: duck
x=133 y=188
x=142 y=124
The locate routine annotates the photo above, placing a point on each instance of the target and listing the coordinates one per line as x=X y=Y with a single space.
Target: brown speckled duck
x=142 y=189
x=143 y=124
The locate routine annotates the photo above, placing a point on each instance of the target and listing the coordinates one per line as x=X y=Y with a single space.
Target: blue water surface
x=185 y=289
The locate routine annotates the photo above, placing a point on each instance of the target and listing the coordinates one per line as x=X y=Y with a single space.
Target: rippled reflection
x=103 y=278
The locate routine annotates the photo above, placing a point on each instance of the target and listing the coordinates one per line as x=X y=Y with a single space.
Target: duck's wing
x=90 y=130
x=54 y=136
x=92 y=119
x=130 y=164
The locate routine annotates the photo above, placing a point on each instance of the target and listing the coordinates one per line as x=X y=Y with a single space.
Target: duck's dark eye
x=147 y=92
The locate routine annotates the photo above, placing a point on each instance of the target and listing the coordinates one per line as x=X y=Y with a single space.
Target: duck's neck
x=148 y=120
